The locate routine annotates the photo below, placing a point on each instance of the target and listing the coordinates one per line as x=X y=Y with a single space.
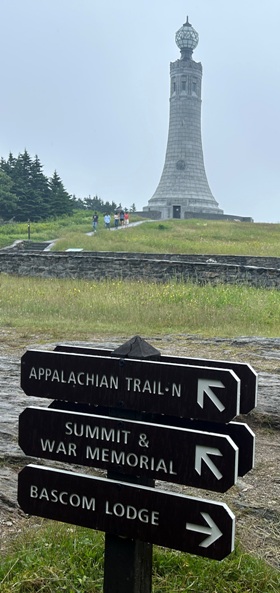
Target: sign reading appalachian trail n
x=142 y=385
x=243 y=370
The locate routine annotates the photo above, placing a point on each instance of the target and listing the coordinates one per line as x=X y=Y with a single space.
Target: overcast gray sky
x=85 y=85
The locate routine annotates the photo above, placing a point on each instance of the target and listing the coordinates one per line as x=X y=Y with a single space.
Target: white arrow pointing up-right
x=212 y=531
x=204 y=386
x=202 y=454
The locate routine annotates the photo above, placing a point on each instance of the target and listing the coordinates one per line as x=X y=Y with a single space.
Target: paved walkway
x=122 y=228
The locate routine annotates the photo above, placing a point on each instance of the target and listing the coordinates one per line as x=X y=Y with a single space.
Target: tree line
x=27 y=194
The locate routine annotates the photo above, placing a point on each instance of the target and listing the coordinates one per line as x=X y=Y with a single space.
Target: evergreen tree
x=21 y=175
x=107 y=207
x=8 y=166
x=60 y=200
x=35 y=197
x=93 y=203
x=41 y=188
x=30 y=205
x=78 y=203
x=8 y=200
x=30 y=186
x=96 y=203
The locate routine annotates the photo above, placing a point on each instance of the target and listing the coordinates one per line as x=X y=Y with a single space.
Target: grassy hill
x=168 y=236
x=79 y=307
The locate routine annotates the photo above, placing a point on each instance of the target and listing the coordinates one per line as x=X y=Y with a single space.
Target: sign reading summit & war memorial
x=182 y=456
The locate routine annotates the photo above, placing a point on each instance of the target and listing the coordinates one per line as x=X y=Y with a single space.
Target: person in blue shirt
x=107 y=220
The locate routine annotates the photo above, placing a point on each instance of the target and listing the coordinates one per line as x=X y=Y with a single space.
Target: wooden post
x=128 y=565
x=128 y=562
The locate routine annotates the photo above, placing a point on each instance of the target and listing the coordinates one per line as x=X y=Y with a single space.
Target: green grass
x=168 y=236
x=80 y=308
x=45 y=231
x=60 y=558
x=79 y=224
x=190 y=236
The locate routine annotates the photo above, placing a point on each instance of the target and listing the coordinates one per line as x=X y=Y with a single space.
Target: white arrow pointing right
x=212 y=530
x=204 y=386
x=202 y=454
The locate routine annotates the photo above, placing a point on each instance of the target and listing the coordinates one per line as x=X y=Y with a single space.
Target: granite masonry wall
x=256 y=271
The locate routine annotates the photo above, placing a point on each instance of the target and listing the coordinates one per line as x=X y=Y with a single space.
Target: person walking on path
x=126 y=218
x=122 y=217
x=107 y=220
x=116 y=219
x=95 y=222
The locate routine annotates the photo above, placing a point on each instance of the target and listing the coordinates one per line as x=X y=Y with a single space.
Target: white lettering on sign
x=132 y=384
x=131 y=459
x=97 y=432
x=81 y=378
x=64 y=497
x=152 y=387
x=130 y=512
x=60 y=447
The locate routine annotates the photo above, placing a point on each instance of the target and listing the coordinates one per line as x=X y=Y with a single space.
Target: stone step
x=33 y=245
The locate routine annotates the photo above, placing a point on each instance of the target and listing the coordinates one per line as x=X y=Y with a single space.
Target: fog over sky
x=85 y=85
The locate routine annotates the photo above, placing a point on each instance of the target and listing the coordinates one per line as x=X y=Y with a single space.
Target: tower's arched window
x=194 y=87
x=173 y=86
x=184 y=84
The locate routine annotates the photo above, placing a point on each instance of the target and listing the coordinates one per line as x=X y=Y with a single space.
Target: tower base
x=159 y=215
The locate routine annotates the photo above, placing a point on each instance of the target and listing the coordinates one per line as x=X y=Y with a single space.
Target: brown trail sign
x=240 y=433
x=175 y=521
x=244 y=371
x=141 y=385
x=193 y=458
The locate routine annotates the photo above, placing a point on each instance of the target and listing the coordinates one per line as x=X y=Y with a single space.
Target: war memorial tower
x=183 y=188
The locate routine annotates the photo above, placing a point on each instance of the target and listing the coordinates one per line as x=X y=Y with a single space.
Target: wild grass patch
x=56 y=558
x=81 y=307
x=168 y=236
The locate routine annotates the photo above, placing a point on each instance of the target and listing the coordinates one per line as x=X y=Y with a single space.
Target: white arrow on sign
x=212 y=531
x=204 y=386
x=202 y=454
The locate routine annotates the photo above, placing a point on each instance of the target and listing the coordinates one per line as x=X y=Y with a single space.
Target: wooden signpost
x=158 y=418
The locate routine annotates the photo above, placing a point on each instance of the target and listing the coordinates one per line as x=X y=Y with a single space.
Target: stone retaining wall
x=260 y=272
x=237 y=260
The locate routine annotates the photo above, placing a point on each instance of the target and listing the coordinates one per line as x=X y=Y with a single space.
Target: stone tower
x=183 y=186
